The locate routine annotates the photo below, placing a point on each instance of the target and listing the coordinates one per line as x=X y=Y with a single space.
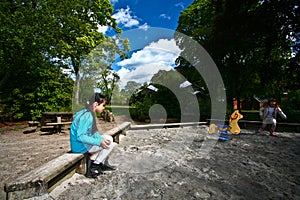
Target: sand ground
x=23 y=150
x=249 y=166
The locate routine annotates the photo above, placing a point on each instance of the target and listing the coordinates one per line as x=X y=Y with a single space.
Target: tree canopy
x=37 y=40
x=254 y=43
x=96 y=67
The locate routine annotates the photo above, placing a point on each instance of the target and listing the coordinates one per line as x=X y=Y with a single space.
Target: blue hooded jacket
x=81 y=137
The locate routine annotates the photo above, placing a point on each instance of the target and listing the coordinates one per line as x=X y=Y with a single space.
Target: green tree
x=117 y=97
x=250 y=41
x=165 y=89
x=80 y=21
x=38 y=38
x=29 y=82
x=130 y=89
x=97 y=65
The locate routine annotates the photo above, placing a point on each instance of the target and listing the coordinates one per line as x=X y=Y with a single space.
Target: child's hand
x=105 y=144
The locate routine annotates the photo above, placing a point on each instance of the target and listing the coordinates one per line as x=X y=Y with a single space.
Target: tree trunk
x=76 y=90
x=77 y=82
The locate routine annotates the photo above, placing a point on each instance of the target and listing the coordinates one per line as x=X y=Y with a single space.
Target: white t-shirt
x=271 y=111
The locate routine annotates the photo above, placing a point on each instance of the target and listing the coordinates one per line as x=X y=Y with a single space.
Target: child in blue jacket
x=85 y=138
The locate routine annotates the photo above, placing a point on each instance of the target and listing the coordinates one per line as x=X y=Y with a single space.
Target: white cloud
x=145 y=63
x=164 y=51
x=164 y=16
x=180 y=4
x=114 y=1
x=144 y=27
x=165 y=44
x=124 y=17
x=141 y=74
x=102 y=29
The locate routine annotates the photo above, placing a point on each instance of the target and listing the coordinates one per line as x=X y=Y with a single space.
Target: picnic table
x=56 y=120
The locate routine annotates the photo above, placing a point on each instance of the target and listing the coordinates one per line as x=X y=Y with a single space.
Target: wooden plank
x=58 y=113
x=118 y=129
x=52 y=117
x=288 y=124
x=57 y=123
x=115 y=132
x=38 y=179
x=58 y=119
x=256 y=122
x=217 y=120
x=57 y=126
x=250 y=122
x=167 y=125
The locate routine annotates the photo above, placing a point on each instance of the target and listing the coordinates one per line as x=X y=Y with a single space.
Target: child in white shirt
x=268 y=113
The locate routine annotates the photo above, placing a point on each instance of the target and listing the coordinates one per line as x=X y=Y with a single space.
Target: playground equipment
x=221 y=129
x=233 y=122
x=224 y=130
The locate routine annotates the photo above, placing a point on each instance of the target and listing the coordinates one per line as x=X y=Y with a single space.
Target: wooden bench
x=249 y=123
x=55 y=120
x=286 y=125
x=289 y=124
x=166 y=125
x=58 y=125
x=45 y=178
x=218 y=121
x=117 y=131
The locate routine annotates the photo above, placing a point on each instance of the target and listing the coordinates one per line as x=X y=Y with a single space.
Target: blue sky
x=149 y=25
x=153 y=13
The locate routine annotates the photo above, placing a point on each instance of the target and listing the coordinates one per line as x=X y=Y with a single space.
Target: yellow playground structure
x=233 y=122
x=224 y=130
